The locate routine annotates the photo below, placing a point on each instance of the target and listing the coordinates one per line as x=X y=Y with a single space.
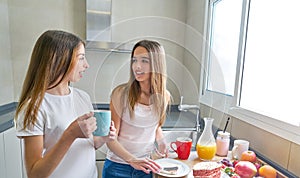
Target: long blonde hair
x=160 y=97
x=51 y=61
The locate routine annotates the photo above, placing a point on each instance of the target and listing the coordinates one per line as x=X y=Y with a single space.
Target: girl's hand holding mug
x=111 y=135
x=83 y=126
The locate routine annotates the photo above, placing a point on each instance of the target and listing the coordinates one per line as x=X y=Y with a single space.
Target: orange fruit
x=267 y=171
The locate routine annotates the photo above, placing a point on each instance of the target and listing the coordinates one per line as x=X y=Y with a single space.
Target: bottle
x=206 y=145
x=223 y=141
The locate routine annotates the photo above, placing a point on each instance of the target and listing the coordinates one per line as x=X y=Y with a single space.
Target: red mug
x=183 y=147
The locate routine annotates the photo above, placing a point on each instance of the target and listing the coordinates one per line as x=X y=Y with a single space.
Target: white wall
x=106 y=71
x=6 y=70
x=29 y=19
x=164 y=21
x=193 y=50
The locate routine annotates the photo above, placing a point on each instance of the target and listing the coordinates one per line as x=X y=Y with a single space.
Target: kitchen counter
x=7 y=113
x=175 y=119
x=6 y=121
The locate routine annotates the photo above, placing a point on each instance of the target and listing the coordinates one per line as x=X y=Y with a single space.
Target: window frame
x=230 y=104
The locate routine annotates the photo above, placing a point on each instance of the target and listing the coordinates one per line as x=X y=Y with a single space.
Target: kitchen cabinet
x=100 y=158
x=11 y=157
x=2 y=158
x=99 y=165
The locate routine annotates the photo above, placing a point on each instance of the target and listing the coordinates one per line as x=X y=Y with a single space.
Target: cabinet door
x=99 y=165
x=2 y=157
x=12 y=151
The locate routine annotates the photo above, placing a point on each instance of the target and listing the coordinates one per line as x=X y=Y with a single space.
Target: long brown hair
x=51 y=61
x=159 y=95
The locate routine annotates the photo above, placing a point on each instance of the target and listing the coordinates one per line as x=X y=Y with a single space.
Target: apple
x=245 y=169
x=248 y=156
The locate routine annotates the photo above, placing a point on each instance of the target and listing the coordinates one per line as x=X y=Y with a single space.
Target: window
x=223 y=60
x=252 y=63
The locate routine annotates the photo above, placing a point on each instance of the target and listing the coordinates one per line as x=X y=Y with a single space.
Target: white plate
x=224 y=175
x=183 y=169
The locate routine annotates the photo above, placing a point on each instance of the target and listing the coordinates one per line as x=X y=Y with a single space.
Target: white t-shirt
x=55 y=114
x=137 y=135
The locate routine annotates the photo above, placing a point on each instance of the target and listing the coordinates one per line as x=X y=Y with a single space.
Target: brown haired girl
x=53 y=118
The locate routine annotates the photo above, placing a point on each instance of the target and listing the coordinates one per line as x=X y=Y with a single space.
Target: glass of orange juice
x=206 y=152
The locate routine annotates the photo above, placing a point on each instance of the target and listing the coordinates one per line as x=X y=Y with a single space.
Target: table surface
x=193 y=159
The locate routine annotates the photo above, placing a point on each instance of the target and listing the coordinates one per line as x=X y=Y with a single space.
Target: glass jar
x=206 y=145
x=223 y=141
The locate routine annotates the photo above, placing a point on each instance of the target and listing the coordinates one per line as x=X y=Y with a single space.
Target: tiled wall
x=281 y=151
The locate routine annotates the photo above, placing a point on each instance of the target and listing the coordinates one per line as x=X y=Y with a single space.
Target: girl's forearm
x=47 y=164
x=159 y=134
x=120 y=151
x=98 y=142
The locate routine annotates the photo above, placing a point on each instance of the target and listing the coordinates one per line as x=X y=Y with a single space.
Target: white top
x=137 y=135
x=55 y=114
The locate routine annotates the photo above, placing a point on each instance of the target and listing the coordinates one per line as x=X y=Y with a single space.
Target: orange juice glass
x=206 y=152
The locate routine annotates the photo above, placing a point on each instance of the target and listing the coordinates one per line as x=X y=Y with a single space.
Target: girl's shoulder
x=119 y=89
x=117 y=98
x=79 y=92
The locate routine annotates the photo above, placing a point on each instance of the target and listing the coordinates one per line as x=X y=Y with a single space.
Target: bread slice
x=207 y=169
x=169 y=168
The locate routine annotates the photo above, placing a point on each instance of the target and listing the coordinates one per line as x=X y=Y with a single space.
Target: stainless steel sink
x=172 y=135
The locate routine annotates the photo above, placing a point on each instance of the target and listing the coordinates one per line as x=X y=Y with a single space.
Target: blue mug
x=103 y=118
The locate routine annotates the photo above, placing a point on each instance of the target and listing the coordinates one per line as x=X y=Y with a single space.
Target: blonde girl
x=139 y=110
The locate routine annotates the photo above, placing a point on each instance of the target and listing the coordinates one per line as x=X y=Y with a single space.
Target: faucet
x=186 y=107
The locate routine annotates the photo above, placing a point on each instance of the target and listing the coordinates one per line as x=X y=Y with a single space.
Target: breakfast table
x=193 y=159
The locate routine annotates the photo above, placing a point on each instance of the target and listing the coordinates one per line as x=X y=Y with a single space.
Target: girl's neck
x=61 y=89
x=145 y=95
x=145 y=88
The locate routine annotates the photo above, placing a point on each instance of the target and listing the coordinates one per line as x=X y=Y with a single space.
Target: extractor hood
x=109 y=46
x=98 y=28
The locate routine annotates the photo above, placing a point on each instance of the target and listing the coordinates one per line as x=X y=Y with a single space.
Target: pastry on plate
x=207 y=170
